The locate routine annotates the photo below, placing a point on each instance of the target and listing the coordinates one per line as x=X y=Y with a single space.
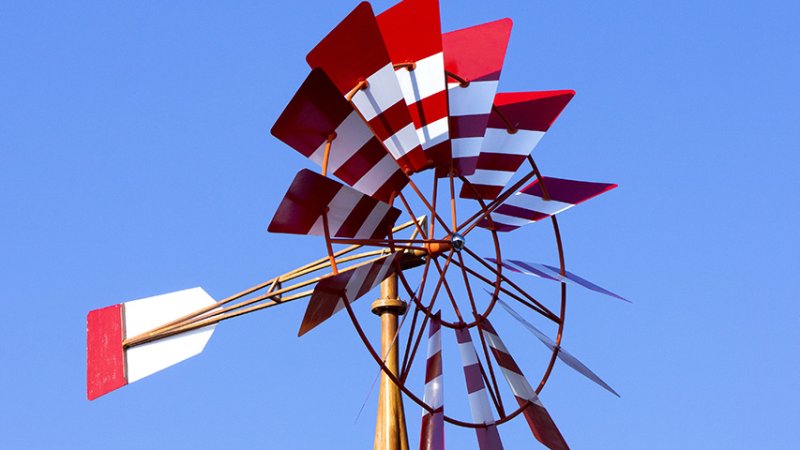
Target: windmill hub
x=458 y=242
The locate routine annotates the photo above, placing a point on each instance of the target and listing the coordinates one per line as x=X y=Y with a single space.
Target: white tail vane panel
x=111 y=366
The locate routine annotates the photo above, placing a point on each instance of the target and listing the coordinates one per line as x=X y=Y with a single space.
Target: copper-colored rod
x=410 y=360
x=363 y=84
x=328 y=244
x=327 y=154
x=544 y=312
x=498 y=401
x=453 y=203
x=545 y=193
x=212 y=320
x=405 y=65
x=506 y=280
x=442 y=273
x=157 y=332
x=300 y=271
x=387 y=242
x=461 y=81
x=494 y=204
x=427 y=204
x=433 y=202
x=560 y=333
x=472 y=272
x=510 y=128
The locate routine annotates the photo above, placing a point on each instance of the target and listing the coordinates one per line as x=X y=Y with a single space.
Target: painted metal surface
x=350 y=214
x=531 y=205
x=354 y=52
x=111 y=366
x=538 y=418
x=331 y=292
x=412 y=33
x=517 y=122
x=475 y=55
x=432 y=429
x=318 y=111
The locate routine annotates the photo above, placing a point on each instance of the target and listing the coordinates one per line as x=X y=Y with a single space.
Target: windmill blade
x=354 y=52
x=331 y=292
x=531 y=205
x=542 y=425
x=432 y=429
x=554 y=274
x=412 y=33
x=111 y=366
x=517 y=123
x=488 y=437
x=562 y=354
x=350 y=214
x=318 y=111
x=475 y=55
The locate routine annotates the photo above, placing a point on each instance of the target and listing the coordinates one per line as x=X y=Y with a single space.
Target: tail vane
x=110 y=365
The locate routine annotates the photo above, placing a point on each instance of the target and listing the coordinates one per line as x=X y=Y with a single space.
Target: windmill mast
x=390 y=425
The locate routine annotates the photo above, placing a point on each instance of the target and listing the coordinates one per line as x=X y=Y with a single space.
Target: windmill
x=402 y=119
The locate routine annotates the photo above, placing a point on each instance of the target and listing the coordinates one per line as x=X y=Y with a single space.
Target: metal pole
x=390 y=426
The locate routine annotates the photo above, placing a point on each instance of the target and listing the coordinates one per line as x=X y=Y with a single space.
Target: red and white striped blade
x=412 y=33
x=357 y=157
x=350 y=214
x=554 y=274
x=432 y=430
x=542 y=425
x=529 y=205
x=110 y=366
x=488 y=437
x=530 y=115
x=563 y=355
x=476 y=55
x=332 y=291
x=353 y=52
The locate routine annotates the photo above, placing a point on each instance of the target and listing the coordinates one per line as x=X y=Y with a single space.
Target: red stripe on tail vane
x=105 y=359
x=476 y=55
x=331 y=292
x=488 y=437
x=412 y=33
x=356 y=156
x=563 y=355
x=432 y=430
x=553 y=273
x=354 y=52
x=517 y=123
x=350 y=214
x=542 y=425
x=529 y=205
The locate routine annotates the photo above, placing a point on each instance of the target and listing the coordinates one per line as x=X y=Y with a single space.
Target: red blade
x=542 y=425
x=554 y=274
x=529 y=204
x=353 y=52
x=517 y=123
x=488 y=437
x=412 y=33
x=563 y=355
x=331 y=292
x=356 y=156
x=350 y=214
x=476 y=55
x=432 y=430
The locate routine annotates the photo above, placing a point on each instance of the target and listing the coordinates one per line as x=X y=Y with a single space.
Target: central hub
x=458 y=242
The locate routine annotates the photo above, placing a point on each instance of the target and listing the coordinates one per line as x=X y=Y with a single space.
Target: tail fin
x=111 y=366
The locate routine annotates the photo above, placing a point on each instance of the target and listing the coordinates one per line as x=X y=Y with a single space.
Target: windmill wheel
x=404 y=121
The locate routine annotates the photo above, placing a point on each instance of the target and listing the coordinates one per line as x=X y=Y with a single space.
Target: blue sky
x=136 y=160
